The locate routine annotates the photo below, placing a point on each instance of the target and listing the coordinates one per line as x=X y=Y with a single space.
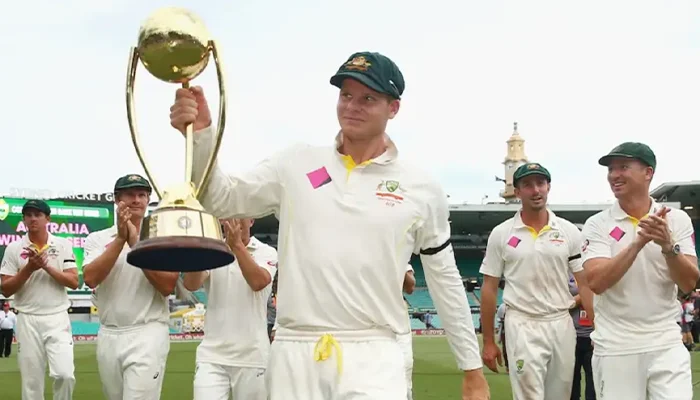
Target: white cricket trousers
x=222 y=382
x=656 y=375
x=42 y=338
x=357 y=365
x=541 y=355
x=406 y=343
x=131 y=361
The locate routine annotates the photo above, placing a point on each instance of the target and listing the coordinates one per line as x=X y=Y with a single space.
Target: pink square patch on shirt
x=513 y=242
x=617 y=233
x=319 y=177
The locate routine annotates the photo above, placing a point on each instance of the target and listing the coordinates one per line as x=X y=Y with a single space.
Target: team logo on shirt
x=555 y=237
x=584 y=247
x=388 y=191
x=519 y=364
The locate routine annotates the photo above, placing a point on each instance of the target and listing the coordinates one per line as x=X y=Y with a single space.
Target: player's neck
x=535 y=219
x=363 y=150
x=635 y=206
x=39 y=238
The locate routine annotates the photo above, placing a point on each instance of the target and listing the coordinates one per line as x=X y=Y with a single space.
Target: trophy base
x=180 y=254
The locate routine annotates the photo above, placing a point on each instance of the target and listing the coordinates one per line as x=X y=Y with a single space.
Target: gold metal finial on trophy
x=179 y=235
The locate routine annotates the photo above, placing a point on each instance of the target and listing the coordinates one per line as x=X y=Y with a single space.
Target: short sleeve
x=595 y=241
x=266 y=258
x=68 y=261
x=684 y=234
x=493 y=262
x=409 y=268
x=9 y=265
x=575 y=248
x=92 y=248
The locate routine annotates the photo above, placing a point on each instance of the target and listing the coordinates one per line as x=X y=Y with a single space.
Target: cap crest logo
x=134 y=178
x=533 y=166
x=358 y=63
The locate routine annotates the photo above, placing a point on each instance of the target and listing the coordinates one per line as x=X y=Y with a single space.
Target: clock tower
x=515 y=157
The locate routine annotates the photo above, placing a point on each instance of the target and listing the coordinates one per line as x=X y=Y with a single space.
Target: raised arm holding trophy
x=179 y=235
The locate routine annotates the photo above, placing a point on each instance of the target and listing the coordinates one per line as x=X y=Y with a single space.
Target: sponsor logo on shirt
x=514 y=241
x=617 y=233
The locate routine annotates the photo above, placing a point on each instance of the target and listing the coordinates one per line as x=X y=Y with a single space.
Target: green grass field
x=435 y=375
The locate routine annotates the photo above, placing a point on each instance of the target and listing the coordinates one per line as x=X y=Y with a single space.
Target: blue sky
x=579 y=77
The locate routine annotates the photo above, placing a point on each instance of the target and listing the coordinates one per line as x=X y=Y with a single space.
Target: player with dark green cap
x=330 y=341
x=638 y=254
x=536 y=252
x=133 y=343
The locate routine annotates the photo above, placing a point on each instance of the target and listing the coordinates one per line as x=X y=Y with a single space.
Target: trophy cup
x=179 y=235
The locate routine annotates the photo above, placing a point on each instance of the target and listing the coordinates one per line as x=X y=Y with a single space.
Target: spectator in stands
x=584 y=348
x=8 y=321
x=635 y=265
x=687 y=322
x=535 y=251
x=696 y=318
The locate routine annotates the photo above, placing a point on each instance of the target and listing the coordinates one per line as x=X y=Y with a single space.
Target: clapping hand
x=654 y=228
x=37 y=260
x=232 y=228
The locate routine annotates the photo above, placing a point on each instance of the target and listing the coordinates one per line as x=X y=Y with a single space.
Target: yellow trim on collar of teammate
x=324 y=347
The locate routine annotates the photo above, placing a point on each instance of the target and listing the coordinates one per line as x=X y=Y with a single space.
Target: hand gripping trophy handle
x=179 y=235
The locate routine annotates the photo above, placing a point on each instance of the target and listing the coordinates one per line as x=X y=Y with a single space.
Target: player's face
x=362 y=112
x=136 y=199
x=532 y=191
x=35 y=221
x=628 y=176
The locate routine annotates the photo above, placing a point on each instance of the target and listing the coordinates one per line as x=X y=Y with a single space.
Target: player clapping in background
x=637 y=255
x=134 y=337
x=232 y=357
x=37 y=269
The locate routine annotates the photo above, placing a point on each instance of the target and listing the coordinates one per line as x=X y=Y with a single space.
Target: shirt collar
x=551 y=220
x=619 y=214
x=387 y=157
x=253 y=243
x=50 y=241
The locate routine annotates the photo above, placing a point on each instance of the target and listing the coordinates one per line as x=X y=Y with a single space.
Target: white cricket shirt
x=638 y=313
x=536 y=265
x=346 y=234
x=235 y=327
x=41 y=294
x=125 y=298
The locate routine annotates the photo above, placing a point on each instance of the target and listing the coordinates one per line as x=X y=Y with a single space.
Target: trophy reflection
x=179 y=235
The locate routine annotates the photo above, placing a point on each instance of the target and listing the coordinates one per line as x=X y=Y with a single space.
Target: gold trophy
x=179 y=235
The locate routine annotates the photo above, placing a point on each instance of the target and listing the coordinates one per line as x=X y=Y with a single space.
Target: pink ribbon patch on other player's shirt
x=513 y=242
x=319 y=177
x=617 y=233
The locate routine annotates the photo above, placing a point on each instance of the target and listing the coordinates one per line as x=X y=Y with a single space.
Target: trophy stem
x=189 y=148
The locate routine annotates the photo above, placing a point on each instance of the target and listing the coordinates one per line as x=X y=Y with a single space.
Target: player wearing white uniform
x=350 y=217
x=535 y=251
x=406 y=339
x=637 y=254
x=37 y=269
x=134 y=337
x=232 y=358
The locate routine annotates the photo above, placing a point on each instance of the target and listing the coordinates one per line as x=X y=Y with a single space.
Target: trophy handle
x=131 y=116
x=202 y=186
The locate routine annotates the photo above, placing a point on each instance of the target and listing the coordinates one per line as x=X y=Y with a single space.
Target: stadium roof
x=685 y=193
x=481 y=218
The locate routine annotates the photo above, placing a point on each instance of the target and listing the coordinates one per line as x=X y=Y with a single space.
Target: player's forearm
x=194 y=280
x=12 y=284
x=164 y=282
x=450 y=298
x=98 y=270
x=606 y=272
x=488 y=315
x=67 y=278
x=684 y=272
x=257 y=277
x=409 y=283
